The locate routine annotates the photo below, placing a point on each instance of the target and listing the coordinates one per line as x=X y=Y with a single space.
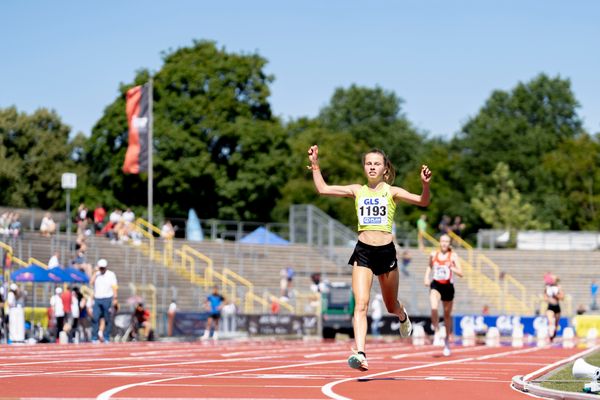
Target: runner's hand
x=313 y=154
x=425 y=174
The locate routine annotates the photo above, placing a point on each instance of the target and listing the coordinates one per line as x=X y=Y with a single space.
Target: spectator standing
x=405 y=262
x=317 y=285
x=58 y=311
x=171 y=312
x=76 y=297
x=421 y=230
x=67 y=300
x=4 y=224
x=458 y=226
x=376 y=314
x=105 y=287
x=228 y=312
x=594 y=295
x=289 y=271
x=15 y=229
x=84 y=316
x=214 y=304
x=47 y=226
x=283 y=283
x=444 y=225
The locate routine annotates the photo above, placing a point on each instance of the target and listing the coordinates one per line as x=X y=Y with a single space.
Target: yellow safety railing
x=11 y=258
x=198 y=269
x=228 y=278
x=148 y=231
x=252 y=298
x=457 y=241
x=233 y=276
x=188 y=267
x=38 y=262
x=503 y=290
x=307 y=303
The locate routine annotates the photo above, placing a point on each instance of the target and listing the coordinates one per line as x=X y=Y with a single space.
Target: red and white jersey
x=440 y=266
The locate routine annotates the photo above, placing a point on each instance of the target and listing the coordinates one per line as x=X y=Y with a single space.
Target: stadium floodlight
x=68 y=181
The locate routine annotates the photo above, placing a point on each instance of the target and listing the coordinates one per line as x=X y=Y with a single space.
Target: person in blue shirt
x=214 y=304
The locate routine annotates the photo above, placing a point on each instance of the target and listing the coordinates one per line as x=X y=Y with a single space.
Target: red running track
x=265 y=369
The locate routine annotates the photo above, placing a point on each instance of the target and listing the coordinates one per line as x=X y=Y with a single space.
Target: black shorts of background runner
x=380 y=259
x=555 y=308
x=445 y=289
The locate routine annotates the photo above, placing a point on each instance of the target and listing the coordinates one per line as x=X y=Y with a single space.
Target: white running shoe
x=358 y=361
x=406 y=326
x=446 y=352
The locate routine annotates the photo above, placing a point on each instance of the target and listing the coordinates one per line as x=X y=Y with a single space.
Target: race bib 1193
x=372 y=211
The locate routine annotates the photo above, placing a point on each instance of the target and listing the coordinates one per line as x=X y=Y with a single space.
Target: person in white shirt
x=54 y=261
x=105 y=287
x=47 y=226
x=128 y=216
x=58 y=309
x=376 y=314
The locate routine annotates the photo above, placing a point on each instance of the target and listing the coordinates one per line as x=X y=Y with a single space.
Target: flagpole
x=150 y=151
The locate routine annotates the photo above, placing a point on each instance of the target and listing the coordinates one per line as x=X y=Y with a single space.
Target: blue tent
x=193 y=228
x=34 y=273
x=261 y=236
x=69 y=274
x=76 y=275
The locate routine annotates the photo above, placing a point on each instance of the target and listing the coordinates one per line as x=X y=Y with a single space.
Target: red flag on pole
x=138 y=118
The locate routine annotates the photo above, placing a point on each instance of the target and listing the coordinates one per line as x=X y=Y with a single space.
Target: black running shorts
x=445 y=289
x=555 y=308
x=380 y=259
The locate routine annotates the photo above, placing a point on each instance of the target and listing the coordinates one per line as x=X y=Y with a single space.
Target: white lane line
x=139 y=366
x=109 y=393
x=327 y=390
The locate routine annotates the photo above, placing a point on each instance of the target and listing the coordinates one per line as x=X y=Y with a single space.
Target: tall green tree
x=34 y=153
x=501 y=205
x=211 y=111
x=519 y=128
x=340 y=161
x=374 y=116
x=572 y=170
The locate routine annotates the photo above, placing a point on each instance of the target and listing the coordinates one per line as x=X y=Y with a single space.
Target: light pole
x=68 y=182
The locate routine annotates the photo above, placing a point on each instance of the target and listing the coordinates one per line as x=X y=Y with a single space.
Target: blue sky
x=443 y=58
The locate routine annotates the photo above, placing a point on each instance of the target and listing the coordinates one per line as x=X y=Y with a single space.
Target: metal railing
x=310 y=225
x=199 y=270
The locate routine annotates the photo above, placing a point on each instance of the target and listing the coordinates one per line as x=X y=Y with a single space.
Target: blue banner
x=504 y=323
